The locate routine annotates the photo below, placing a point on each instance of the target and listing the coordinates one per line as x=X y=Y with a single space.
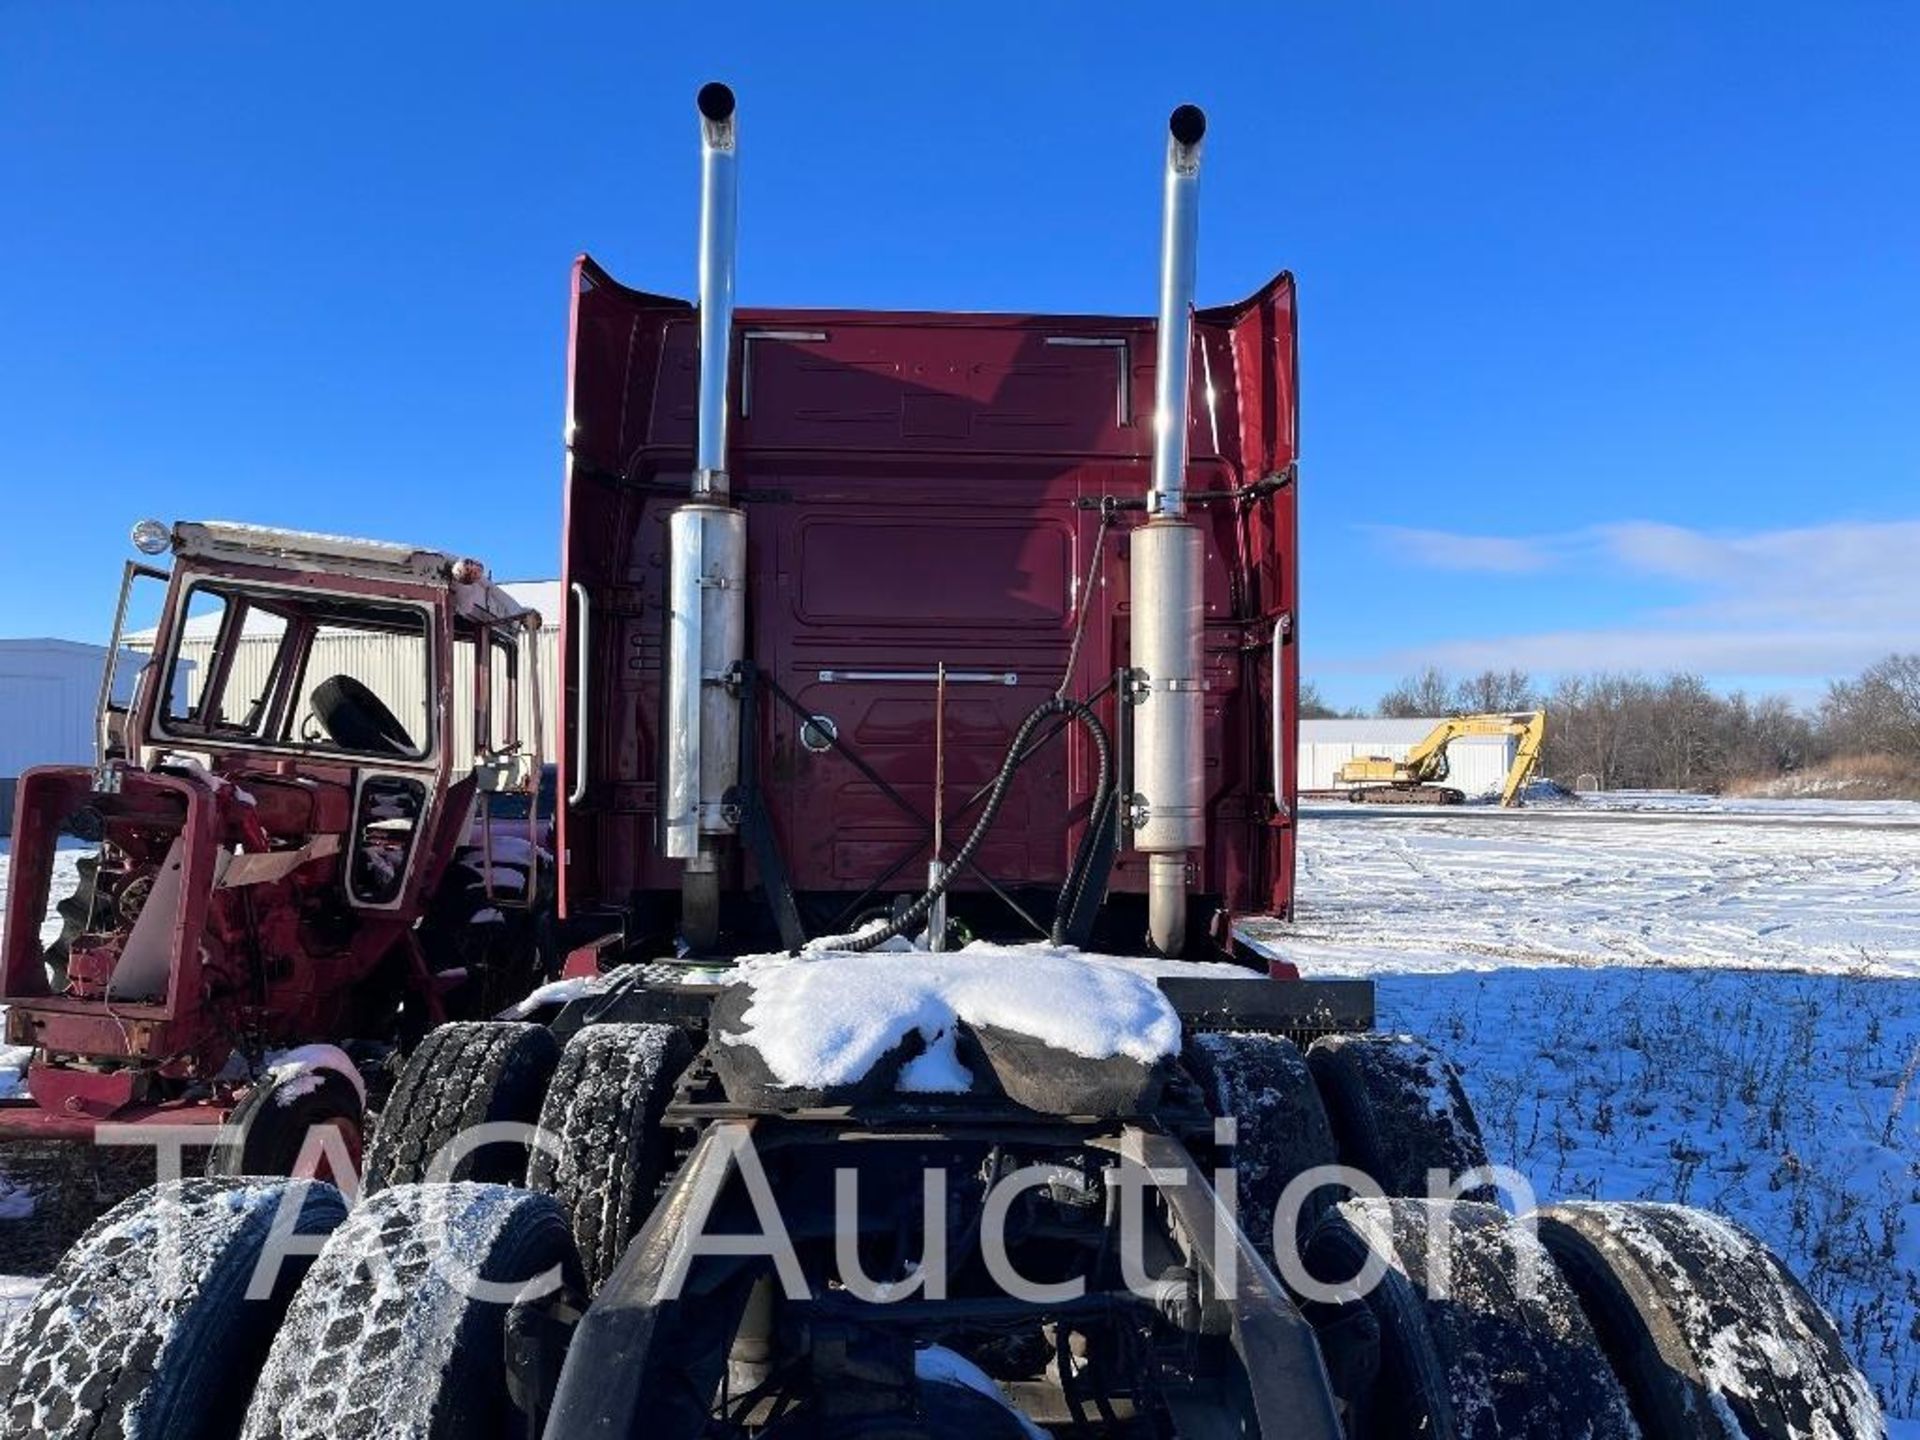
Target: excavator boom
x=1416 y=780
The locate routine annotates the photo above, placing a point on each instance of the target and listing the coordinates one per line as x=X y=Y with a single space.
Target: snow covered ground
x=65 y=877
x=1667 y=998
x=16 y=1293
x=1635 y=880
x=13 y=1058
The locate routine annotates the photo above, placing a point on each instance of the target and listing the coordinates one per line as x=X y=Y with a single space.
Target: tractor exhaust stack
x=1169 y=761
x=1179 y=240
x=707 y=568
x=719 y=212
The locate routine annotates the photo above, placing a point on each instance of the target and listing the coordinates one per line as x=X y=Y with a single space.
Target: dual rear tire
x=401 y=1326
x=397 y=1328
x=1387 y=1107
x=586 y=1121
x=1582 y=1322
x=1711 y=1334
x=146 y=1322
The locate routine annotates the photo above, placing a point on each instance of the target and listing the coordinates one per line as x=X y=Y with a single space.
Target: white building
x=1476 y=765
x=49 y=694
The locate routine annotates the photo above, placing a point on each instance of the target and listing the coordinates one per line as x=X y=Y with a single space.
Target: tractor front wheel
x=310 y=1124
x=400 y=1327
x=76 y=914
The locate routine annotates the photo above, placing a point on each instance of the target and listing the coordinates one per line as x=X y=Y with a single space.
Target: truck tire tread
x=461 y=1075
x=114 y=1345
x=602 y=1115
x=383 y=1338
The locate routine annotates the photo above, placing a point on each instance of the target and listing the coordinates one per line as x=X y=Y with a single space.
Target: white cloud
x=1809 y=653
x=1816 y=601
x=1847 y=574
x=1443 y=550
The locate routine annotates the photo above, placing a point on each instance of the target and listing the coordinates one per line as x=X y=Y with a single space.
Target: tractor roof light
x=152 y=537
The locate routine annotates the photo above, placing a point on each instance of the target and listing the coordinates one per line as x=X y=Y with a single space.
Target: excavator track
x=1407 y=795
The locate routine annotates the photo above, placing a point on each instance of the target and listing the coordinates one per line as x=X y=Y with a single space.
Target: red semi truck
x=908 y=495
x=901 y=630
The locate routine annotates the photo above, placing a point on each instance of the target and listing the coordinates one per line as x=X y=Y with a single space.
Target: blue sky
x=1611 y=314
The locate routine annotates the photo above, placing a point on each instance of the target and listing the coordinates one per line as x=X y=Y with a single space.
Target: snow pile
x=826 y=1019
x=16 y=1295
x=13 y=1065
x=557 y=992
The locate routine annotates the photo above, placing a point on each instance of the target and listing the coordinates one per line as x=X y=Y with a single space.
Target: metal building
x=49 y=693
x=1477 y=765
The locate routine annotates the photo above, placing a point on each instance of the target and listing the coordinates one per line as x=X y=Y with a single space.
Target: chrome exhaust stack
x=1179 y=242
x=719 y=214
x=706 y=569
x=1168 y=604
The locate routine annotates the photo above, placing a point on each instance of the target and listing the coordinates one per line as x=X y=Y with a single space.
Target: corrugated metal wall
x=1477 y=765
x=393 y=667
x=49 y=695
x=49 y=691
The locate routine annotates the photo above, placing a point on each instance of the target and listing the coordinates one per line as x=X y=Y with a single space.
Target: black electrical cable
x=915 y=913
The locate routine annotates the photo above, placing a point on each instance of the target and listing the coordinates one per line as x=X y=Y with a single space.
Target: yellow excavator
x=1416 y=780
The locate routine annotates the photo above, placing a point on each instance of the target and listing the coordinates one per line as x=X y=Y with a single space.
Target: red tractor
x=283 y=860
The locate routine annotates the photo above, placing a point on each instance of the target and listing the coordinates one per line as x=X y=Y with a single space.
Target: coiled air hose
x=916 y=913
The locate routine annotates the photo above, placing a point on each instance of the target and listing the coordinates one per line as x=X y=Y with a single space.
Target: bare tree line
x=1673 y=732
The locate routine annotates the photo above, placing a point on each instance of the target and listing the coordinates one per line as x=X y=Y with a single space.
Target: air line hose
x=916 y=913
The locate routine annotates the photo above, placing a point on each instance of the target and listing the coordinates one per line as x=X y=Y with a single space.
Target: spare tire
x=119 y=1341
x=357 y=719
x=1713 y=1336
x=1501 y=1351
